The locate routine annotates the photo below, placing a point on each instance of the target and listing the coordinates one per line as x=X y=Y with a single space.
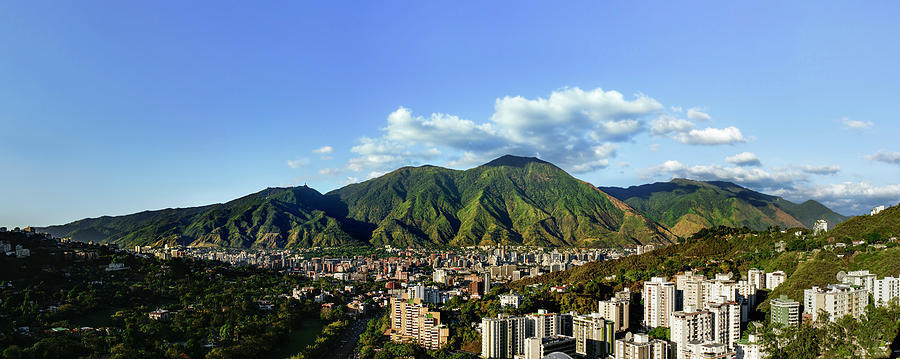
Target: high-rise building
x=411 y=321
x=785 y=311
x=543 y=324
x=416 y=291
x=617 y=311
x=836 y=300
x=886 y=290
x=537 y=348
x=659 y=302
x=439 y=276
x=726 y=321
x=757 y=278
x=640 y=346
x=688 y=326
x=774 y=279
x=502 y=337
x=689 y=290
x=593 y=336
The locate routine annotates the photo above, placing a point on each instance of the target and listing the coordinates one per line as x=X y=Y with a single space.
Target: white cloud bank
x=886 y=157
x=744 y=159
x=576 y=129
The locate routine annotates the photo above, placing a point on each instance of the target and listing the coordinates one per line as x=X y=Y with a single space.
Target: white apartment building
x=837 y=300
x=659 y=302
x=689 y=287
x=510 y=300
x=726 y=322
x=640 y=346
x=543 y=324
x=594 y=336
x=688 y=326
x=617 y=311
x=774 y=279
x=885 y=290
x=820 y=226
x=862 y=279
x=502 y=337
x=439 y=276
x=708 y=350
x=757 y=278
x=749 y=348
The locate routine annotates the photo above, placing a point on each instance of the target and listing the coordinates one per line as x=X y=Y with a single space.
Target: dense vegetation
x=686 y=206
x=511 y=200
x=62 y=303
x=874 y=229
x=731 y=250
x=846 y=337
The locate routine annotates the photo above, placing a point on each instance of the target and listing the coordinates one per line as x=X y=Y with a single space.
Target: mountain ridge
x=510 y=200
x=686 y=205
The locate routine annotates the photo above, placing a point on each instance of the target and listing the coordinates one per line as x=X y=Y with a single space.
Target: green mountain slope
x=275 y=217
x=686 y=206
x=875 y=228
x=511 y=200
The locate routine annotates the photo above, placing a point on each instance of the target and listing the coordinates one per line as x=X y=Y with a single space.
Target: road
x=346 y=347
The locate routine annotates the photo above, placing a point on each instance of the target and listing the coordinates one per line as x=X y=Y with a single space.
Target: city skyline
x=166 y=105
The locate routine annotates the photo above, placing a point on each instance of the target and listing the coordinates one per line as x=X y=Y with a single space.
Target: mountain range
x=510 y=200
x=685 y=206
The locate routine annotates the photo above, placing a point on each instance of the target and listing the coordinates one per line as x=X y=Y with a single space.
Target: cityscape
x=449 y=180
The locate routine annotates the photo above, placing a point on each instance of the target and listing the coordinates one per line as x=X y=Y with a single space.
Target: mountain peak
x=514 y=161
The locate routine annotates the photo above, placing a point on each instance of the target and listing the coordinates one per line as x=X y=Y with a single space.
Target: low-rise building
x=537 y=348
x=510 y=300
x=640 y=346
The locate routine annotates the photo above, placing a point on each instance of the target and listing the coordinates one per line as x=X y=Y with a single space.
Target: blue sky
x=116 y=107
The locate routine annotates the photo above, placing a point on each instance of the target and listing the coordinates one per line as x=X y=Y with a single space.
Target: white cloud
x=324 y=150
x=572 y=128
x=752 y=177
x=820 y=170
x=330 y=171
x=886 y=157
x=300 y=162
x=712 y=136
x=575 y=129
x=848 y=197
x=856 y=124
x=666 y=124
x=744 y=159
x=654 y=147
x=695 y=114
